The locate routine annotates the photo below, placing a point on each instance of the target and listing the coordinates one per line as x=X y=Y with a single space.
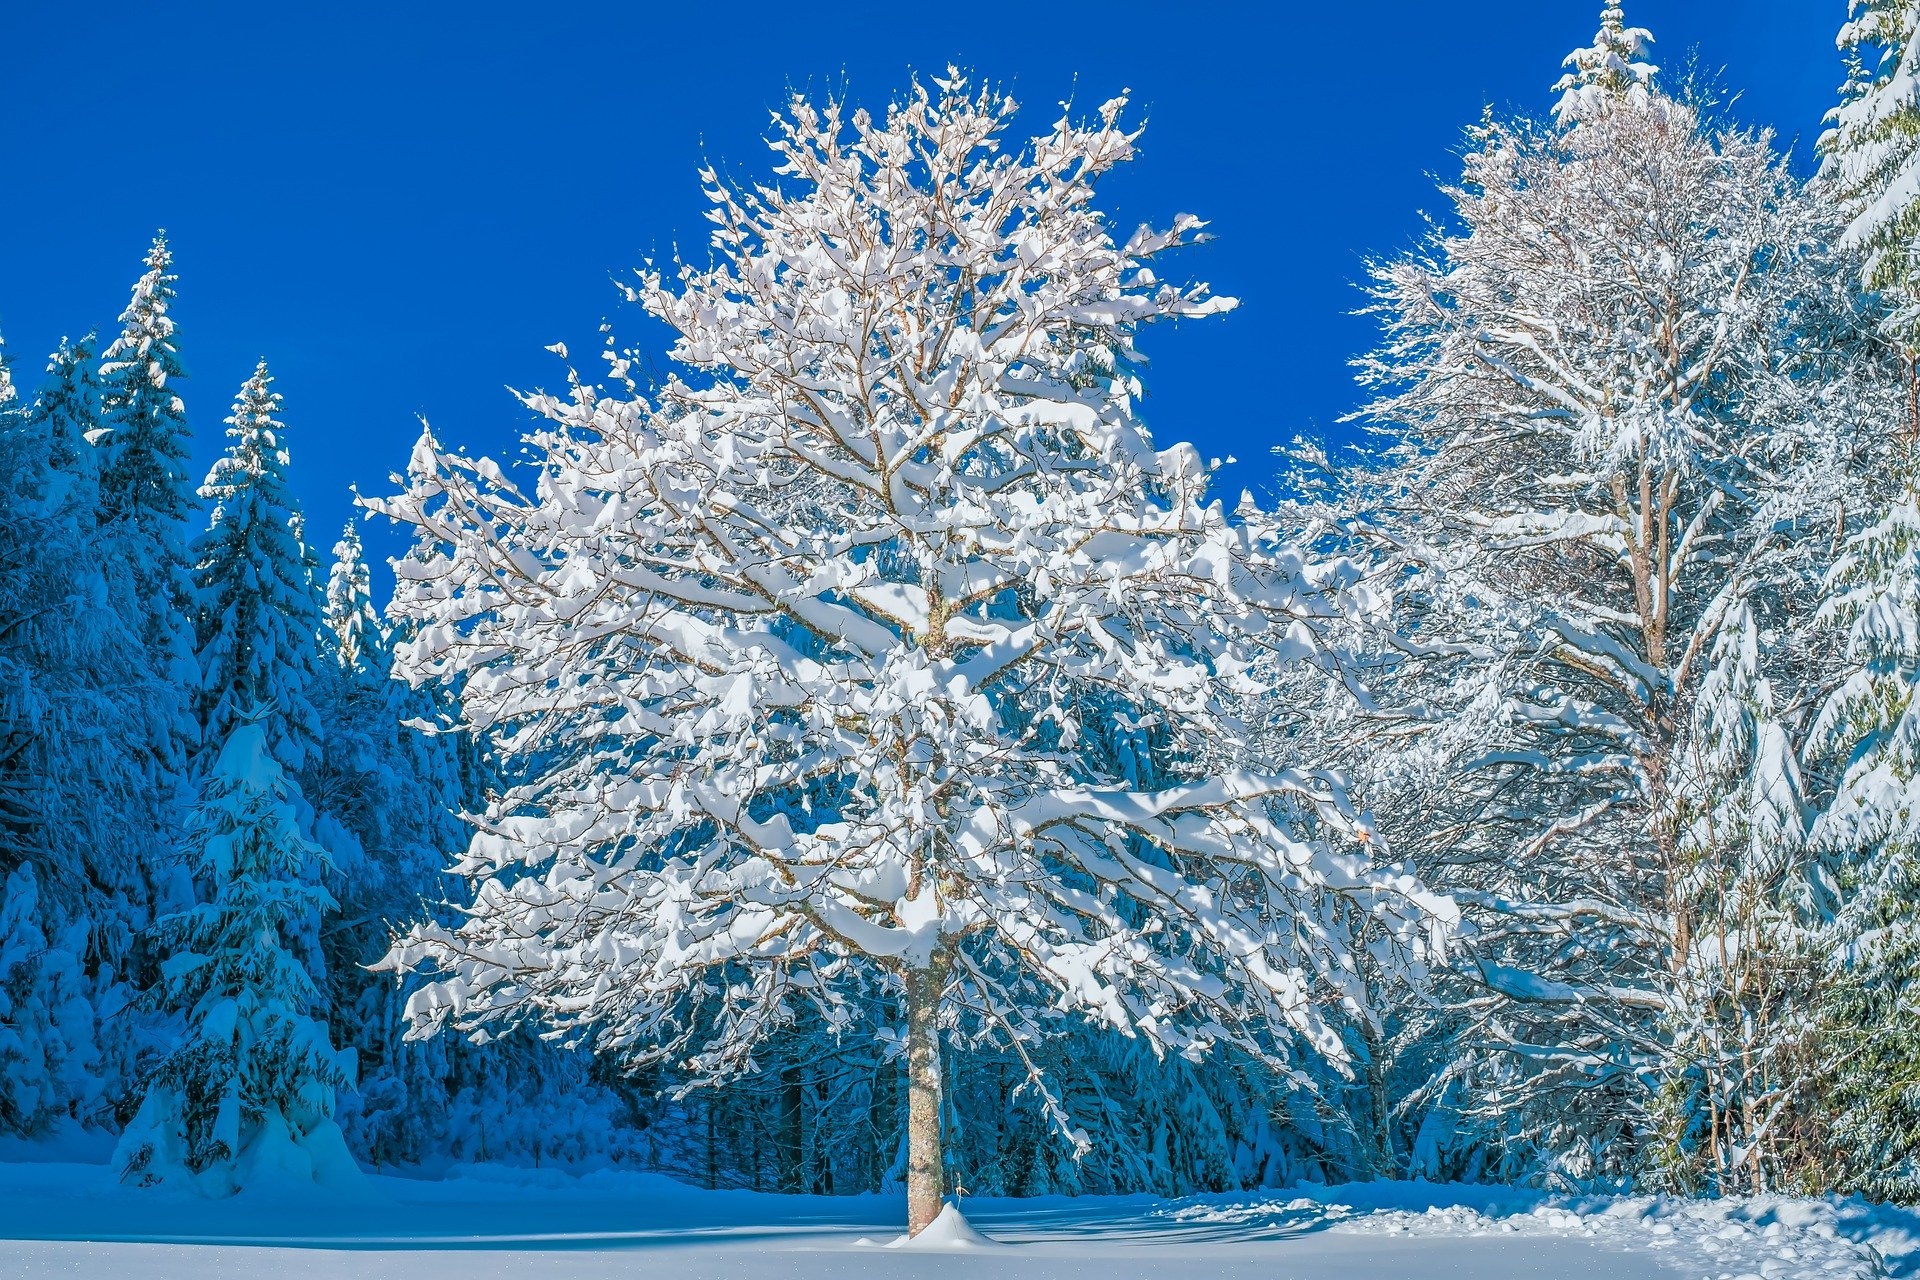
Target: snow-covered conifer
x=48 y=1057
x=1744 y=1019
x=359 y=639
x=146 y=496
x=1872 y=145
x=246 y=1096
x=258 y=611
x=1612 y=69
x=1869 y=727
x=71 y=415
x=75 y=697
x=795 y=664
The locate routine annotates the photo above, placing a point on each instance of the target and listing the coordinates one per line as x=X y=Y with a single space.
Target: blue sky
x=400 y=205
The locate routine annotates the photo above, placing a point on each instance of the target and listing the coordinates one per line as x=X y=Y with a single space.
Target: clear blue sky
x=401 y=204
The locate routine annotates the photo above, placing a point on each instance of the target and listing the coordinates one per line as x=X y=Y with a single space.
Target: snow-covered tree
x=1611 y=69
x=146 y=498
x=1869 y=727
x=71 y=415
x=76 y=718
x=1871 y=167
x=21 y=781
x=49 y=1062
x=358 y=637
x=1624 y=385
x=793 y=666
x=246 y=1096
x=1872 y=145
x=258 y=612
x=1745 y=1016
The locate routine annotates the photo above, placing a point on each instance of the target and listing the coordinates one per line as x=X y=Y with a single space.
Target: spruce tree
x=258 y=614
x=358 y=638
x=387 y=799
x=71 y=417
x=78 y=817
x=146 y=496
x=1868 y=731
x=247 y=1095
x=22 y=583
x=80 y=688
x=1742 y=1045
x=1872 y=145
x=1611 y=69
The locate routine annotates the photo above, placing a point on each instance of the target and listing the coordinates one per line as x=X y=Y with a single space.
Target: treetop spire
x=1611 y=69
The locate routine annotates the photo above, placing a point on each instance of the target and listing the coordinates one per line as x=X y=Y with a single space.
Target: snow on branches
x=1626 y=415
x=1872 y=145
x=246 y=1096
x=1611 y=69
x=809 y=662
x=259 y=613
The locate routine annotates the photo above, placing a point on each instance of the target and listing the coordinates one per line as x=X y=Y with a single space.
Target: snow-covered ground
x=71 y=1220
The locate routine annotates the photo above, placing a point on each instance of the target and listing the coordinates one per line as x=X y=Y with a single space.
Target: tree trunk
x=791 y=1153
x=924 y=1189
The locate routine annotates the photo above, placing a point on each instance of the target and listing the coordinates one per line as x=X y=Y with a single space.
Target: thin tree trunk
x=924 y=1189
x=713 y=1148
x=1912 y=436
x=791 y=1153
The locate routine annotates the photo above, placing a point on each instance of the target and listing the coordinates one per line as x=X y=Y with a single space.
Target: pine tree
x=1871 y=169
x=359 y=638
x=76 y=699
x=19 y=699
x=71 y=414
x=258 y=612
x=246 y=1097
x=1744 y=1027
x=1872 y=147
x=146 y=499
x=1611 y=69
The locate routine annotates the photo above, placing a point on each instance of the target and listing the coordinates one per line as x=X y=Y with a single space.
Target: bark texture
x=925 y=1184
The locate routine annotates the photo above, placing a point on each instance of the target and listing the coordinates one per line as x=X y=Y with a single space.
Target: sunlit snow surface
x=70 y=1220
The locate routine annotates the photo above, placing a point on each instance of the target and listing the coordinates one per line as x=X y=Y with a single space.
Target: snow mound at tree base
x=949 y=1231
x=1763 y=1237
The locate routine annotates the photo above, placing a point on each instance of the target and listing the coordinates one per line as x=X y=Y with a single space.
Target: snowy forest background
x=867 y=717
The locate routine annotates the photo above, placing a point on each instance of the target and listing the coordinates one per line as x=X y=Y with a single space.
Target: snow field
x=68 y=1220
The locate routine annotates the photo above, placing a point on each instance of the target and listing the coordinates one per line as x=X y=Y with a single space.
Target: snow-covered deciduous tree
x=794 y=664
x=258 y=612
x=1624 y=385
x=246 y=1096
